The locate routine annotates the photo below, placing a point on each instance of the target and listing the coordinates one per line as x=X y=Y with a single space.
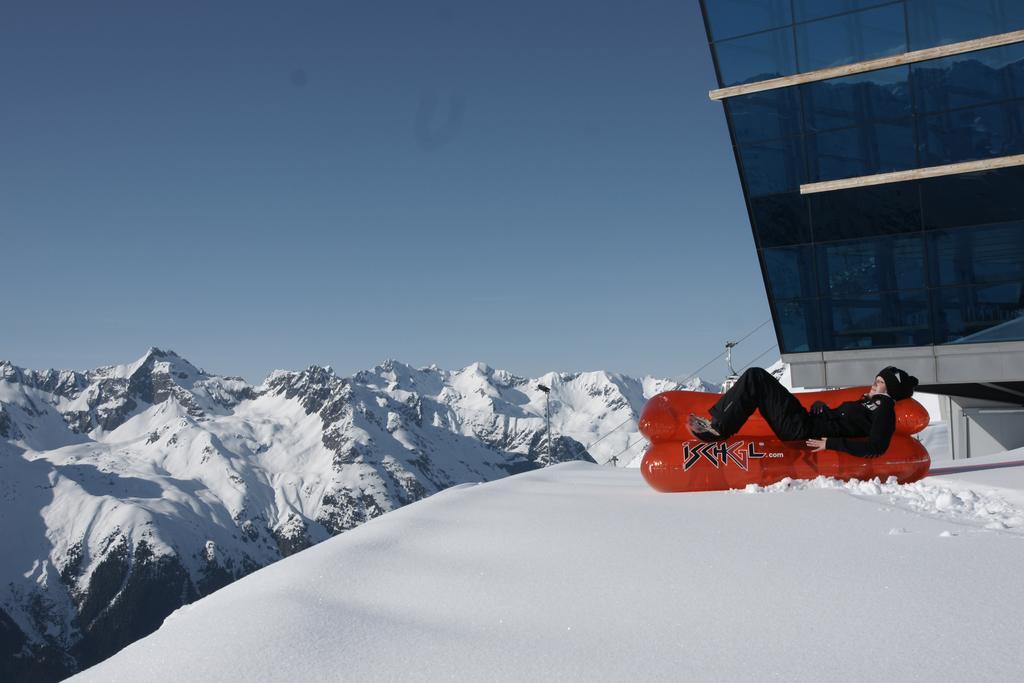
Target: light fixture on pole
x=547 y=415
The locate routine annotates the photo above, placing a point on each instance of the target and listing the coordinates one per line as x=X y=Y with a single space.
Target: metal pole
x=547 y=416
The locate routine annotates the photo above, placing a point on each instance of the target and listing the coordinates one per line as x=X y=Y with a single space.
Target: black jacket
x=845 y=426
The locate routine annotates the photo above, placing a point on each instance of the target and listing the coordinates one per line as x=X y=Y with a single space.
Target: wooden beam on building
x=870 y=65
x=913 y=174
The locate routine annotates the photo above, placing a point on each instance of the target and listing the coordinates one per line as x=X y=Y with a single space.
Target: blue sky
x=539 y=185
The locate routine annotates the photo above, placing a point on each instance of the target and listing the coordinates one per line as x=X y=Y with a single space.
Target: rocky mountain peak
x=159 y=362
x=314 y=388
x=479 y=368
x=392 y=372
x=10 y=372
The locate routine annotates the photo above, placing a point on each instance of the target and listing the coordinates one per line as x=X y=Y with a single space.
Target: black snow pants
x=758 y=389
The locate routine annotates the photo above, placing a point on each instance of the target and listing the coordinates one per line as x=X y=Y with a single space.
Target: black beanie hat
x=898 y=383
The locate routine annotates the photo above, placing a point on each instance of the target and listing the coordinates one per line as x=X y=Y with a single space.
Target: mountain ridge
x=136 y=488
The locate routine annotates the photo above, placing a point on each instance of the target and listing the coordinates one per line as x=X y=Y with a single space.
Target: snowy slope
x=581 y=572
x=129 y=490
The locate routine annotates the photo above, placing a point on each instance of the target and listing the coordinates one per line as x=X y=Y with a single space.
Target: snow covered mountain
x=130 y=490
x=583 y=573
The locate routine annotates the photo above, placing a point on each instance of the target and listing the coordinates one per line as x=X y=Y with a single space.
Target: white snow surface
x=582 y=572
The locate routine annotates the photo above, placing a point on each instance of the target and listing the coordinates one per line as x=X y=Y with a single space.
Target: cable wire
x=759 y=356
x=741 y=340
x=684 y=381
x=613 y=430
x=628 y=446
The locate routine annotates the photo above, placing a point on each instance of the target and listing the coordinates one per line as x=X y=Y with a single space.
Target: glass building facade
x=920 y=262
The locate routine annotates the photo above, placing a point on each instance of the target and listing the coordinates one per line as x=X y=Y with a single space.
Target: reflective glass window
x=973 y=198
x=979 y=314
x=773 y=167
x=805 y=10
x=882 y=319
x=790 y=272
x=977 y=133
x=731 y=18
x=851 y=37
x=756 y=58
x=766 y=115
x=844 y=102
x=797 y=323
x=977 y=255
x=969 y=79
x=858 y=267
x=781 y=219
x=938 y=22
x=867 y=149
x=865 y=211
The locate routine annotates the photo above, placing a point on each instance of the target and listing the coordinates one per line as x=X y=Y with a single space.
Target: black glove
x=819 y=407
